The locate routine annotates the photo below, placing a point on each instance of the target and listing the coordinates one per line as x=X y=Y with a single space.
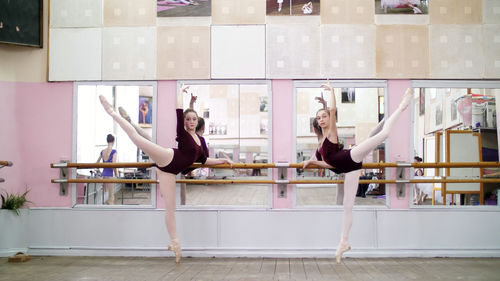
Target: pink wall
x=399 y=139
x=282 y=91
x=166 y=122
x=37 y=130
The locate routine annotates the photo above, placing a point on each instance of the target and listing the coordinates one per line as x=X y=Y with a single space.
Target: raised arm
x=192 y=101
x=332 y=133
x=180 y=103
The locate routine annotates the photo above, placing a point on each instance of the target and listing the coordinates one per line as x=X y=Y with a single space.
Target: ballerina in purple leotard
x=170 y=161
x=330 y=155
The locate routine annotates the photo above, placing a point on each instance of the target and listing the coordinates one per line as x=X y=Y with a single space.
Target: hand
x=321 y=100
x=193 y=99
x=228 y=161
x=306 y=163
x=184 y=88
x=327 y=87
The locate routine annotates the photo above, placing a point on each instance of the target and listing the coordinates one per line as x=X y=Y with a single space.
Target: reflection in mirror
x=455 y=125
x=100 y=139
x=358 y=112
x=236 y=118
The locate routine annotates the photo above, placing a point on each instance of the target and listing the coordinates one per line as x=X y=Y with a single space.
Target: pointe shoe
x=107 y=106
x=341 y=250
x=176 y=248
x=124 y=114
x=406 y=99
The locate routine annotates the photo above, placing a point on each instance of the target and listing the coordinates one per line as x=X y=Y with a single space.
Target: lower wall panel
x=256 y=233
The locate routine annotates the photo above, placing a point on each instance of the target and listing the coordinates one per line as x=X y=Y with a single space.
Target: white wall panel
x=75 y=54
x=238 y=52
x=491 y=43
x=491 y=11
x=456 y=51
x=348 y=51
x=75 y=13
x=293 y=51
x=129 y=53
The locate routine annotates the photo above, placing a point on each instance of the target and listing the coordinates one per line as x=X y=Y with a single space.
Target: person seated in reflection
x=108 y=155
x=170 y=161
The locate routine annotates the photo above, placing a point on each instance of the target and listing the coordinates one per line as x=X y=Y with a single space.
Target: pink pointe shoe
x=107 y=106
x=340 y=251
x=176 y=248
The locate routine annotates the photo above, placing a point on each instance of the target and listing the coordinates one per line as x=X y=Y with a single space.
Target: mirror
x=358 y=112
x=93 y=126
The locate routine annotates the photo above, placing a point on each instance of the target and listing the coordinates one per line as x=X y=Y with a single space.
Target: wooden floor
x=134 y=268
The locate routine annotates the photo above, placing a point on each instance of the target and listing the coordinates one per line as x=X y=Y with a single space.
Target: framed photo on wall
x=145 y=111
x=348 y=95
x=292 y=7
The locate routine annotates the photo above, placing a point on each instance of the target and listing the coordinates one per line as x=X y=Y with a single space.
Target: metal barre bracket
x=401 y=178
x=63 y=175
x=282 y=180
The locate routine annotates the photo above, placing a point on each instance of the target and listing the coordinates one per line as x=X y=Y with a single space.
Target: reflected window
x=455 y=124
x=358 y=112
x=237 y=126
x=93 y=128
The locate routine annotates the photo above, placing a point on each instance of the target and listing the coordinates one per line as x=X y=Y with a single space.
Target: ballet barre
x=5 y=163
x=280 y=165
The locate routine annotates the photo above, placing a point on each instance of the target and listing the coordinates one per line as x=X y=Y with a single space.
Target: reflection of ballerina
x=307 y=8
x=349 y=161
x=391 y=4
x=108 y=155
x=170 y=161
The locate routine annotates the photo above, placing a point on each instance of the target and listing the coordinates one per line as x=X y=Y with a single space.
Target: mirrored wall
x=237 y=118
x=455 y=122
x=360 y=106
x=97 y=138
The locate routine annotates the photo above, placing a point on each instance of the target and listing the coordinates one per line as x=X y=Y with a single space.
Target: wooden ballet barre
x=136 y=181
x=6 y=163
x=280 y=165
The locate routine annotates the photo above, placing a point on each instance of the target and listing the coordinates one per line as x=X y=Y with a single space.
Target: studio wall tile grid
x=456 y=51
x=347 y=51
x=238 y=12
x=293 y=51
x=75 y=54
x=238 y=52
x=491 y=45
x=183 y=52
x=455 y=11
x=402 y=51
x=290 y=51
x=75 y=13
x=491 y=11
x=129 y=53
x=129 y=13
x=347 y=12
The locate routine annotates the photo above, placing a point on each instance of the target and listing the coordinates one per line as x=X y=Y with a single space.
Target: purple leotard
x=187 y=152
x=340 y=159
x=205 y=151
x=108 y=172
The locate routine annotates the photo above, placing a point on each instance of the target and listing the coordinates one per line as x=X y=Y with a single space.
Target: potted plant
x=13 y=223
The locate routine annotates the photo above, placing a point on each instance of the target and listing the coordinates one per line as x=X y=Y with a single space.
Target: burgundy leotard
x=187 y=152
x=205 y=151
x=340 y=159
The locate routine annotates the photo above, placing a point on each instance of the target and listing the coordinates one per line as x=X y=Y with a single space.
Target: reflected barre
x=281 y=165
x=216 y=181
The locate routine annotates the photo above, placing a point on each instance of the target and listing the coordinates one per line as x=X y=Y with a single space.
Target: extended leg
x=360 y=151
x=161 y=156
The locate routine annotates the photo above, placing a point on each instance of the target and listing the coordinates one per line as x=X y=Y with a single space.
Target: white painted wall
x=243 y=233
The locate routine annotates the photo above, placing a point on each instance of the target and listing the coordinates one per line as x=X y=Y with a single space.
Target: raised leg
x=140 y=131
x=161 y=156
x=360 y=151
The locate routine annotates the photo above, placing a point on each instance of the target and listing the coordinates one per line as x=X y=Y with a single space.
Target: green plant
x=14 y=201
